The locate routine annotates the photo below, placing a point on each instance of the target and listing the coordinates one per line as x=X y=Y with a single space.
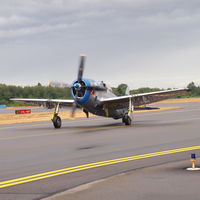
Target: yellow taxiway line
x=54 y=173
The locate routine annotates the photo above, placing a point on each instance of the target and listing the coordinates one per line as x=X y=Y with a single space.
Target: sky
x=143 y=43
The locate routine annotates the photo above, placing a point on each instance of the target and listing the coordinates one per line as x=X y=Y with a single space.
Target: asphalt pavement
x=167 y=181
x=31 y=152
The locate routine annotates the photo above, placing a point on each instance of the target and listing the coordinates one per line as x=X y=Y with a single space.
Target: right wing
x=48 y=103
x=144 y=98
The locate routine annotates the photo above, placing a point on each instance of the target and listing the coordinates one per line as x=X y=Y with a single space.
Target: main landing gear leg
x=127 y=119
x=57 y=122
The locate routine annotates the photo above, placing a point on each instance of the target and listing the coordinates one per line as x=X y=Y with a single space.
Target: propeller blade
x=81 y=67
x=95 y=88
x=86 y=112
x=73 y=110
x=74 y=105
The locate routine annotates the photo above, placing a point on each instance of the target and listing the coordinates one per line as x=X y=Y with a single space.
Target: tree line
x=194 y=90
x=38 y=91
x=48 y=92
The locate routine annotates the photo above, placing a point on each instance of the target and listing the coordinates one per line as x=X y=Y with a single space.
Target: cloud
x=24 y=31
x=33 y=17
x=129 y=37
x=27 y=17
x=172 y=18
x=13 y=20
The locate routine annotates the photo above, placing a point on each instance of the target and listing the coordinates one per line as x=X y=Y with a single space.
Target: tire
x=57 y=122
x=127 y=120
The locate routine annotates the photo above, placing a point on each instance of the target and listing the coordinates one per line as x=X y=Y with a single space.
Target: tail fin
x=127 y=93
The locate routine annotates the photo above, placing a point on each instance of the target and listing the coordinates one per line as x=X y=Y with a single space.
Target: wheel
x=57 y=122
x=127 y=120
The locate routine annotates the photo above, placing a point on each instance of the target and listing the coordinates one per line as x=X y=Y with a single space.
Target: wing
x=145 y=98
x=49 y=103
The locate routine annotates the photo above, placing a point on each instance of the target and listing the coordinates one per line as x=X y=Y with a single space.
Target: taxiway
x=31 y=149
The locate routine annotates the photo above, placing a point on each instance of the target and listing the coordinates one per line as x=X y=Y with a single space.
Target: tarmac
x=167 y=181
x=144 y=161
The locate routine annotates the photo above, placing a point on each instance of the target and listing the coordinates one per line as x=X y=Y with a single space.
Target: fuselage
x=89 y=100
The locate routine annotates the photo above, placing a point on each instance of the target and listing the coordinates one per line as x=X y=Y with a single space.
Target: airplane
x=96 y=98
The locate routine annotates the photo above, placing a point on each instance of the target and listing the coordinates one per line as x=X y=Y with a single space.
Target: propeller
x=78 y=86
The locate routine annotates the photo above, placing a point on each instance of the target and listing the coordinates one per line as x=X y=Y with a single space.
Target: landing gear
x=57 y=122
x=127 y=118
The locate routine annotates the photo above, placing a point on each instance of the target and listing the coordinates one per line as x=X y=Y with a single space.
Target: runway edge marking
x=49 y=174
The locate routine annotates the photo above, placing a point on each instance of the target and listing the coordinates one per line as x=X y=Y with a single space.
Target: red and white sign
x=25 y=111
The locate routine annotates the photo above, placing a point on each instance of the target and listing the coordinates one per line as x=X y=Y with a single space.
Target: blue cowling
x=86 y=95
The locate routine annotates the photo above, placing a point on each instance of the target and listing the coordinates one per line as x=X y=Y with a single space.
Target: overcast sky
x=153 y=43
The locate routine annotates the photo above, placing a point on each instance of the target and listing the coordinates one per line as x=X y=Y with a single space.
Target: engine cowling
x=79 y=92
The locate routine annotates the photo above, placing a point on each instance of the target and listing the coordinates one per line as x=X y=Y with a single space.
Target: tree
x=120 y=90
x=194 y=90
x=191 y=86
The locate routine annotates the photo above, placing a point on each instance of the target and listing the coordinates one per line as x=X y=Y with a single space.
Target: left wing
x=145 y=98
x=49 y=103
